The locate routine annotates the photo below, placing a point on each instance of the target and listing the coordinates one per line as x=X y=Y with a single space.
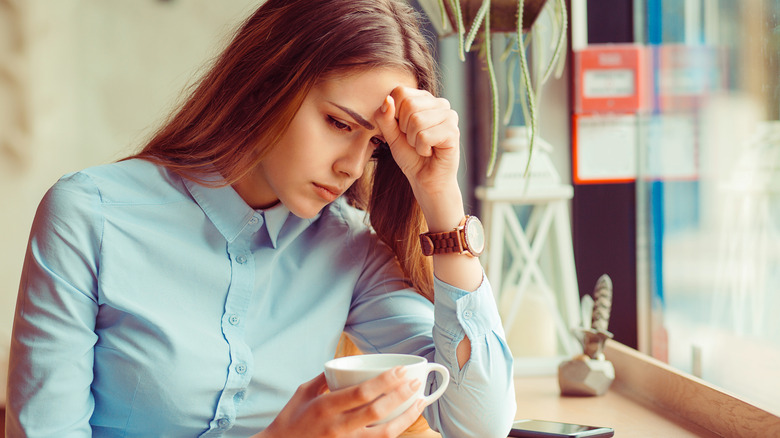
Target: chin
x=308 y=212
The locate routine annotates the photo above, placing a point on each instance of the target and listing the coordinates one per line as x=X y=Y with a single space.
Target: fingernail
x=400 y=371
x=414 y=385
x=385 y=105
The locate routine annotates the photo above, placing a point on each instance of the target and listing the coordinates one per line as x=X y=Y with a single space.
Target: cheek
x=306 y=141
x=292 y=151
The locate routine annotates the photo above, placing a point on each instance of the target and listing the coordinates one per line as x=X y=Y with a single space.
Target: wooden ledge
x=659 y=385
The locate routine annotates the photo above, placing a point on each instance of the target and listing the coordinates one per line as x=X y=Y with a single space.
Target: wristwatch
x=467 y=238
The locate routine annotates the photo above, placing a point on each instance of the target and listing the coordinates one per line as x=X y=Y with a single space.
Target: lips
x=328 y=193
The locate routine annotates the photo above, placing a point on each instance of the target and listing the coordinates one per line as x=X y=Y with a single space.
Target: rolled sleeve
x=457 y=311
x=480 y=400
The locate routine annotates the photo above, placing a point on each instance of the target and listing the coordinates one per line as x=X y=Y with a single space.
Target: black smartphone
x=553 y=429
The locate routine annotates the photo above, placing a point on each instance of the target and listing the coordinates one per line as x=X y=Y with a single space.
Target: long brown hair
x=244 y=103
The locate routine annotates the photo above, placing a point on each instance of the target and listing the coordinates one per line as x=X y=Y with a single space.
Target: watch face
x=475 y=236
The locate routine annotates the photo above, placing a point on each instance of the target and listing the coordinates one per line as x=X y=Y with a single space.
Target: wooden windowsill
x=685 y=398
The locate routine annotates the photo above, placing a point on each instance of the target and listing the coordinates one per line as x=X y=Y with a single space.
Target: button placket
x=237 y=301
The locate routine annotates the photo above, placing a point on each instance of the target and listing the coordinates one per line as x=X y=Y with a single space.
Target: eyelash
x=341 y=126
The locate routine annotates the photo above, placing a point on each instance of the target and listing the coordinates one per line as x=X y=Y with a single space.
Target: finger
x=432 y=128
x=410 y=104
x=366 y=392
x=395 y=139
x=313 y=387
x=387 y=123
x=398 y=425
x=386 y=404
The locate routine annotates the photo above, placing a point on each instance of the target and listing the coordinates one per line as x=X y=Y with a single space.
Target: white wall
x=84 y=82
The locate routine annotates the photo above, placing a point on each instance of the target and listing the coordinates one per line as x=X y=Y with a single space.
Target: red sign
x=612 y=78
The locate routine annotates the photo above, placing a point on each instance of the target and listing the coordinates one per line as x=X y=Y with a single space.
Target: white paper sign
x=606 y=148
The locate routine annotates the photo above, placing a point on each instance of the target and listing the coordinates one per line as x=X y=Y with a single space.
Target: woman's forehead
x=364 y=86
x=405 y=75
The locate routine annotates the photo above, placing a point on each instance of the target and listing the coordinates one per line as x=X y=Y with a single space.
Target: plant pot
x=503 y=14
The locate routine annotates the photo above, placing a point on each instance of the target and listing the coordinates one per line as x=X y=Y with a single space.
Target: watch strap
x=440 y=243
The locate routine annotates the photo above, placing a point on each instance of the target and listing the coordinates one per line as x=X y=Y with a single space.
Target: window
x=708 y=193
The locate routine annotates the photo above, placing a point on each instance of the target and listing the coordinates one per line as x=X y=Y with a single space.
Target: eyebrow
x=358 y=118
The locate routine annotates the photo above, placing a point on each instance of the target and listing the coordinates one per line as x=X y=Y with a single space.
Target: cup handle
x=445 y=374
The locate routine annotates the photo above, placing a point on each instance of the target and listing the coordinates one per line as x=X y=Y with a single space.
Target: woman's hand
x=423 y=135
x=314 y=412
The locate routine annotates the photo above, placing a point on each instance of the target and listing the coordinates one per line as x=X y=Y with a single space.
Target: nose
x=353 y=161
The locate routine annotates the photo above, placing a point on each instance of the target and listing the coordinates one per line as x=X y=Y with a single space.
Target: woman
x=197 y=288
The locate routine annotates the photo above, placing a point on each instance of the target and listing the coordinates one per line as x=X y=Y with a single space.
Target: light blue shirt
x=152 y=306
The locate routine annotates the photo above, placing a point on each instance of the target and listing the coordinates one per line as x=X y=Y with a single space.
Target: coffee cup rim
x=373 y=361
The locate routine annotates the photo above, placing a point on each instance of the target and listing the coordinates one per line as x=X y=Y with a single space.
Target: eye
x=338 y=124
x=377 y=141
x=381 y=149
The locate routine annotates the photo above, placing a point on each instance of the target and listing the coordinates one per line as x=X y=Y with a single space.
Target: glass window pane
x=709 y=192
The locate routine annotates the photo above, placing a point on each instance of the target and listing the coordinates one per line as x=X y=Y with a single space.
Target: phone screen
x=539 y=428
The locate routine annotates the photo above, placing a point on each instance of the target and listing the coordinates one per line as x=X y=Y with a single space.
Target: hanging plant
x=467 y=18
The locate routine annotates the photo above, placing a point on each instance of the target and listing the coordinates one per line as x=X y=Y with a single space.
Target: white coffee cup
x=351 y=370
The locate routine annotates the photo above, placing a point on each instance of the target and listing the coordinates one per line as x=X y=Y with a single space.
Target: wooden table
x=647 y=399
x=539 y=398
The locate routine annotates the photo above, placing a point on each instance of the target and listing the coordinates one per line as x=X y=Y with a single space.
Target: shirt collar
x=275 y=218
x=228 y=211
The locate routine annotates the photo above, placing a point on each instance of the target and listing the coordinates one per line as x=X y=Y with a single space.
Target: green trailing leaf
x=509 y=51
x=537 y=49
x=459 y=16
x=493 y=96
x=477 y=23
x=529 y=95
x=523 y=100
x=560 y=42
x=444 y=20
x=525 y=43
x=510 y=93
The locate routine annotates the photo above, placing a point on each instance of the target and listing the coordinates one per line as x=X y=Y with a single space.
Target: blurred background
x=663 y=122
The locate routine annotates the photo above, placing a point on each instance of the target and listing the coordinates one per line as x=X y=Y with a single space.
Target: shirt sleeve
x=392 y=318
x=480 y=400
x=51 y=358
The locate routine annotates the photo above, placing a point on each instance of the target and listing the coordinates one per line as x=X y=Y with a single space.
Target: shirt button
x=467 y=314
x=254 y=220
x=241 y=368
x=223 y=423
x=241 y=259
x=234 y=319
x=239 y=396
